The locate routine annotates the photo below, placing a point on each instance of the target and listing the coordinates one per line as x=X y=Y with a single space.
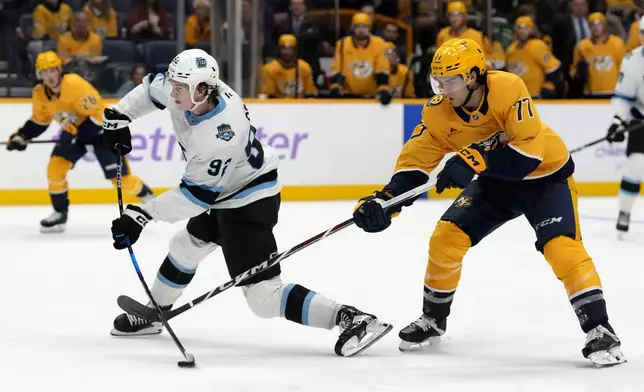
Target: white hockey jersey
x=227 y=167
x=629 y=91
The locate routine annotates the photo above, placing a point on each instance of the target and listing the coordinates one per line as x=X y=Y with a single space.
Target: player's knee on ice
x=272 y=298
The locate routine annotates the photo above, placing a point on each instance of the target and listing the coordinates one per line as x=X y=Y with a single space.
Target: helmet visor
x=447 y=84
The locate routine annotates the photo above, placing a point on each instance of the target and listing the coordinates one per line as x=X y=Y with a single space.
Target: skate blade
x=144 y=332
x=612 y=357
x=375 y=331
x=52 y=229
x=434 y=341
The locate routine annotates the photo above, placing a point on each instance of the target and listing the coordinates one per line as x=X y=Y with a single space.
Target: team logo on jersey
x=475 y=117
x=225 y=133
x=495 y=141
x=201 y=62
x=436 y=100
x=463 y=202
x=361 y=69
x=603 y=63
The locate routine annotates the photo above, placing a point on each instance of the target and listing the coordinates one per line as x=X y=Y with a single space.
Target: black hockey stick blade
x=133 y=307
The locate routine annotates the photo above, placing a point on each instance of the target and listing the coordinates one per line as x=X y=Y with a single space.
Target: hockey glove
x=474 y=157
x=127 y=228
x=384 y=96
x=455 y=174
x=17 y=142
x=369 y=214
x=116 y=132
x=616 y=131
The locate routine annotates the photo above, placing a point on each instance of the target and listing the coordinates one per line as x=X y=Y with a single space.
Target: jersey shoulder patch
x=436 y=100
x=225 y=132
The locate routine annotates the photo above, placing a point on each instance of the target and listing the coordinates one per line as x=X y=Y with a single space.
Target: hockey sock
x=590 y=307
x=437 y=303
x=59 y=201
x=628 y=191
x=306 y=307
x=171 y=280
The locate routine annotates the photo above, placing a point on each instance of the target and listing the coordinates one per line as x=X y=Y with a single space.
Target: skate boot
x=129 y=325
x=358 y=331
x=424 y=332
x=54 y=223
x=603 y=347
x=622 y=224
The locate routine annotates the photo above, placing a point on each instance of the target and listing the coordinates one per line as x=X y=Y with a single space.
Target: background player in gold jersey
x=596 y=60
x=359 y=66
x=524 y=168
x=530 y=58
x=78 y=108
x=457 y=15
x=401 y=79
x=281 y=78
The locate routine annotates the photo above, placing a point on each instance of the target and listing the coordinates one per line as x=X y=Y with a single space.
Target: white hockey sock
x=170 y=282
x=630 y=185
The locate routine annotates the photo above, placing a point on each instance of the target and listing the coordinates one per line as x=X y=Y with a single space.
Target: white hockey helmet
x=193 y=67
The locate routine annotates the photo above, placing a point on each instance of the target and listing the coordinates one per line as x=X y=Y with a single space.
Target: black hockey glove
x=127 y=229
x=384 y=96
x=455 y=174
x=17 y=142
x=369 y=214
x=116 y=132
x=616 y=131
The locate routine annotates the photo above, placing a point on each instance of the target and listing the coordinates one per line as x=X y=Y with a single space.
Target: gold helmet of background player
x=360 y=19
x=524 y=21
x=456 y=6
x=287 y=41
x=596 y=17
x=48 y=60
x=458 y=56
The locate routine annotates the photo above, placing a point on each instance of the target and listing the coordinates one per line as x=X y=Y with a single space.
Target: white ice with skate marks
x=511 y=328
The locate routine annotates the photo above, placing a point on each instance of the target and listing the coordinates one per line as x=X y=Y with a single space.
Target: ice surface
x=511 y=328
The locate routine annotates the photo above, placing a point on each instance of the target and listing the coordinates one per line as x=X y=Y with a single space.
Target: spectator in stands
x=136 y=77
x=391 y=35
x=102 y=18
x=282 y=78
x=423 y=16
x=80 y=45
x=567 y=31
x=597 y=59
x=530 y=58
x=360 y=68
x=633 y=36
x=457 y=14
x=52 y=18
x=401 y=81
x=309 y=35
x=370 y=10
x=148 y=21
x=198 y=24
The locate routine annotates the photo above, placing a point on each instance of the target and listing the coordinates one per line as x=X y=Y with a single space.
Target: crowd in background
x=380 y=49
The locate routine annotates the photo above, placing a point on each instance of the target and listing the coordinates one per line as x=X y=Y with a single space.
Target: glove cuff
x=137 y=214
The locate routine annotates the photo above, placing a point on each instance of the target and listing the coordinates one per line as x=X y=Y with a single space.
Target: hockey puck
x=188 y=363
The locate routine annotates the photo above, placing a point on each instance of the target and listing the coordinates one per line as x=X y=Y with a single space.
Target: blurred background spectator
x=136 y=77
x=110 y=37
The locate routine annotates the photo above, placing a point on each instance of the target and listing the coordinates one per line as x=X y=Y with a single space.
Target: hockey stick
x=33 y=142
x=189 y=358
x=136 y=308
x=634 y=128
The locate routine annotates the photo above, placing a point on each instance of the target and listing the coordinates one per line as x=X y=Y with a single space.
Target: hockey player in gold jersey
x=401 y=79
x=530 y=58
x=596 y=60
x=281 y=78
x=359 y=67
x=524 y=168
x=457 y=15
x=78 y=108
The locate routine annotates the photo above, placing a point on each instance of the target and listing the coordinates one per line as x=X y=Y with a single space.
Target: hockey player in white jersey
x=231 y=193
x=628 y=105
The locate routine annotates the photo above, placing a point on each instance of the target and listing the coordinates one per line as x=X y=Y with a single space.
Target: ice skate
x=358 y=331
x=54 y=223
x=623 y=222
x=603 y=347
x=129 y=325
x=424 y=332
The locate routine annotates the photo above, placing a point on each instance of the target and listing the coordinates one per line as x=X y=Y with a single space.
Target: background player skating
x=76 y=105
x=231 y=193
x=524 y=168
